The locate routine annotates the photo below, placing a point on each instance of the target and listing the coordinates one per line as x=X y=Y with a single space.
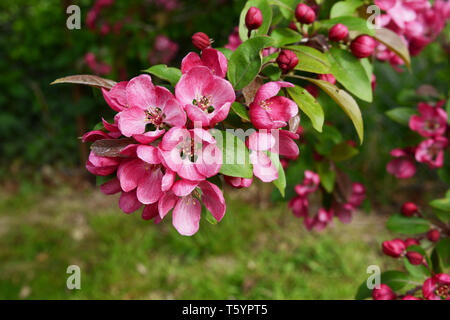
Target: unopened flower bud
x=327 y=77
x=409 y=209
x=293 y=26
x=433 y=235
x=363 y=46
x=253 y=18
x=394 y=248
x=411 y=242
x=312 y=90
x=201 y=40
x=304 y=14
x=338 y=32
x=383 y=293
x=414 y=258
x=287 y=60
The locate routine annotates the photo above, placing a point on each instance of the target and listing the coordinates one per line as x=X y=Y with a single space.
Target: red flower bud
x=411 y=242
x=373 y=82
x=327 y=77
x=338 y=32
x=201 y=40
x=414 y=258
x=394 y=248
x=312 y=89
x=304 y=14
x=253 y=18
x=363 y=46
x=433 y=235
x=383 y=293
x=287 y=60
x=293 y=26
x=409 y=209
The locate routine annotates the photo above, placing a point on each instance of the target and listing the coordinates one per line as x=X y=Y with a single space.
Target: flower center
x=431 y=125
x=265 y=105
x=442 y=291
x=154 y=116
x=204 y=103
x=187 y=150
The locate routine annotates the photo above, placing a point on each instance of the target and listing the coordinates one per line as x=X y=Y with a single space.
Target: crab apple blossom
x=411 y=242
x=409 y=209
x=320 y=221
x=192 y=154
x=414 y=258
x=253 y=18
x=403 y=165
x=269 y=111
x=263 y=167
x=338 y=32
x=433 y=235
x=363 y=46
x=437 y=287
x=211 y=58
x=234 y=40
x=432 y=121
x=149 y=104
x=101 y=166
x=287 y=60
x=201 y=40
x=431 y=152
x=384 y=292
x=206 y=98
x=409 y=297
x=186 y=198
x=327 y=77
x=116 y=97
x=237 y=182
x=304 y=14
x=309 y=185
x=394 y=248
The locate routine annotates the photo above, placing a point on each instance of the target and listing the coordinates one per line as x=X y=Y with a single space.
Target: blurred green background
x=52 y=216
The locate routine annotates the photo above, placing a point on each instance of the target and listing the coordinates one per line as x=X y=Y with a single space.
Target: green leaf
x=163 y=72
x=311 y=60
x=401 y=115
x=407 y=225
x=287 y=7
x=272 y=71
x=235 y=155
x=352 y=23
x=394 y=279
x=443 y=251
x=327 y=175
x=393 y=41
x=342 y=151
x=280 y=183
x=417 y=271
x=309 y=105
x=344 y=8
x=349 y=71
x=285 y=36
x=245 y=62
x=441 y=204
x=266 y=11
x=345 y=101
x=240 y=110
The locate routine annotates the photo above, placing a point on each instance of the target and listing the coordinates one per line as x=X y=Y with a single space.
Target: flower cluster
x=436 y=285
x=165 y=151
x=417 y=22
x=431 y=123
x=324 y=217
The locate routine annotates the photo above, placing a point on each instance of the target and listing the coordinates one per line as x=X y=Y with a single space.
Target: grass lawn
x=254 y=253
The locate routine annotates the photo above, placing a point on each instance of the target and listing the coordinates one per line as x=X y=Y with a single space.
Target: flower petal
x=128 y=202
x=186 y=215
x=213 y=199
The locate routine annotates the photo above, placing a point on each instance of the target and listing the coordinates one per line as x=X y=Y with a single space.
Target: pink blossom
x=185 y=199
x=431 y=152
x=238 y=182
x=263 y=167
x=148 y=104
x=437 y=287
x=432 y=121
x=116 y=97
x=299 y=206
x=164 y=50
x=269 y=111
x=211 y=58
x=310 y=183
x=234 y=40
x=320 y=221
x=101 y=166
x=206 y=98
x=193 y=154
x=403 y=166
